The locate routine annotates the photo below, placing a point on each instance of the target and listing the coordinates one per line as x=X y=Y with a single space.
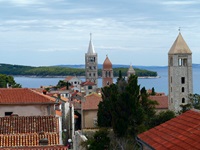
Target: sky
x=55 y=32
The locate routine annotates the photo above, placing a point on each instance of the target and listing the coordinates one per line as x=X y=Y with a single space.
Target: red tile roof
x=182 y=132
x=55 y=147
x=23 y=96
x=162 y=101
x=91 y=101
x=28 y=124
x=87 y=83
x=68 y=78
x=27 y=131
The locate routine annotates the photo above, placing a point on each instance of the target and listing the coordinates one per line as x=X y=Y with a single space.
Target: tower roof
x=107 y=63
x=91 y=48
x=131 y=70
x=179 y=46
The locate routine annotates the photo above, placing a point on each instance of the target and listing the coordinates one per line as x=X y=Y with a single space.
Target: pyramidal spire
x=91 y=48
x=179 y=46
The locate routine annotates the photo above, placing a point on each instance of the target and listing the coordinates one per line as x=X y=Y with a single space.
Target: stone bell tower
x=180 y=83
x=91 y=64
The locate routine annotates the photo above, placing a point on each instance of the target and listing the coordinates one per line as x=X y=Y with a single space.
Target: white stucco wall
x=27 y=110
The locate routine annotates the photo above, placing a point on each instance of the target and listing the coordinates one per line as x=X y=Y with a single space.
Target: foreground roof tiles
x=182 y=132
x=55 y=147
x=23 y=96
x=27 y=131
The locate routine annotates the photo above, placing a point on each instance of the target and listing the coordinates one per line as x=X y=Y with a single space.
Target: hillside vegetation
x=61 y=71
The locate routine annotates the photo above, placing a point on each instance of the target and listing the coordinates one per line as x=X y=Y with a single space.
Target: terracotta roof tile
x=68 y=78
x=182 y=132
x=162 y=101
x=28 y=124
x=23 y=96
x=91 y=101
x=87 y=83
x=27 y=131
x=54 y=147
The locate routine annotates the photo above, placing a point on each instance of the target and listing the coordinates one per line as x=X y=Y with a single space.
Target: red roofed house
x=88 y=87
x=180 y=133
x=30 y=132
x=89 y=110
x=162 y=102
x=25 y=102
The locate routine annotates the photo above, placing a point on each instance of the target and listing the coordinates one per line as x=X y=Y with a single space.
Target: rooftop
x=91 y=101
x=23 y=96
x=180 y=133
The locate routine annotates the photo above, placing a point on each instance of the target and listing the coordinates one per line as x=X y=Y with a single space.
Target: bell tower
x=107 y=73
x=180 y=83
x=91 y=64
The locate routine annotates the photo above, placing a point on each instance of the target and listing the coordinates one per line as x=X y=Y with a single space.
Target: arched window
x=183 y=100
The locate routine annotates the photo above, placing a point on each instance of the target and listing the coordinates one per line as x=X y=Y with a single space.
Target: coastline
x=34 y=76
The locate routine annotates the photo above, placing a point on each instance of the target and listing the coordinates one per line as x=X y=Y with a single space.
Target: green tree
x=153 y=91
x=160 y=118
x=100 y=141
x=62 y=83
x=195 y=100
x=8 y=81
x=124 y=109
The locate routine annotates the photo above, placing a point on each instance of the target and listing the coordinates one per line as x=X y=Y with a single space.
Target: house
x=26 y=132
x=74 y=81
x=180 y=133
x=90 y=109
x=26 y=102
x=88 y=87
x=162 y=102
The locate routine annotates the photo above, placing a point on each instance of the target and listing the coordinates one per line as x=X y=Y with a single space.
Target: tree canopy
x=8 y=81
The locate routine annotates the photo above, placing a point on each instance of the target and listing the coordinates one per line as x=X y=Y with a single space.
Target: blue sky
x=52 y=32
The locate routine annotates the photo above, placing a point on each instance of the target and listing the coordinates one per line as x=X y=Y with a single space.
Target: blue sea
x=160 y=84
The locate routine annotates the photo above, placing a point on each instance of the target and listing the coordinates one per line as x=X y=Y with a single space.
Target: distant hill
x=65 y=70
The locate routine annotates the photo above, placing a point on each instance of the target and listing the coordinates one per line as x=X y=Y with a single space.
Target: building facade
x=107 y=73
x=180 y=81
x=91 y=64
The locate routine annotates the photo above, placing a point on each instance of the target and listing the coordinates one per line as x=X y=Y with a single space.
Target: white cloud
x=179 y=2
x=23 y=2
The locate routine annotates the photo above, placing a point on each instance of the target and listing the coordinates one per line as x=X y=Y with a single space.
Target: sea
x=160 y=83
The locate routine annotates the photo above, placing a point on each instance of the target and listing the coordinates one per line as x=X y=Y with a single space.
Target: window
x=90 y=74
x=8 y=113
x=179 y=62
x=109 y=74
x=184 y=62
x=183 y=100
x=75 y=82
x=89 y=87
x=94 y=74
x=183 y=89
x=183 y=80
x=108 y=83
x=171 y=61
x=171 y=89
x=171 y=100
x=171 y=79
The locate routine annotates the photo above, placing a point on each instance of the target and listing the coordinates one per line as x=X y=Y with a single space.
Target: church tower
x=130 y=71
x=107 y=73
x=91 y=64
x=180 y=83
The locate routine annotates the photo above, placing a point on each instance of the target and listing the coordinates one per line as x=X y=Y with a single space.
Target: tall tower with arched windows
x=107 y=73
x=91 y=64
x=180 y=81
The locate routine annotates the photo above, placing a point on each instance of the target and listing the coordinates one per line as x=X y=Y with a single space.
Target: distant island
x=55 y=71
